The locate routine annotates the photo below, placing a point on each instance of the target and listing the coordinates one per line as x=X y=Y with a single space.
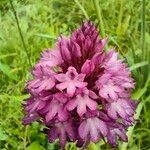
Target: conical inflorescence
x=80 y=92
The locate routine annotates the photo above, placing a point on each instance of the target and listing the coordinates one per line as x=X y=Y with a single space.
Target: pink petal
x=62 y=115
x=71 y=105
x=42 y=104
x=117 y=89
x=103 y=93
x=101 y=126
x=93 y=130
x=50 y=115
x=94 y=135
x=92 y=95
x=81 y=109
x=91 y=104
x=113 y=95
x=88 y=67
x=51 y=58
x=60 y=77
x=102 y=44
x=112 y=112
x=81 y=77
x=62 y=136
x=76 y=49
x=71 y=89
x=62 y=86
x=80 y=84
x=52 y=136
x=83 y=130
x=121 y=112
x=70 y=130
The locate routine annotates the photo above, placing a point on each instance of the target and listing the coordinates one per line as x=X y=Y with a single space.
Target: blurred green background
x=125 y=22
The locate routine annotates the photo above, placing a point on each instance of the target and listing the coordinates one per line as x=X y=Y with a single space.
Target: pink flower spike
x=80 y=92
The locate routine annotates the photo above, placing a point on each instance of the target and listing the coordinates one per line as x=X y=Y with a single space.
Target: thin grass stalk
x=143 y=50
x=82 y=8
x=20 y=32
x=25 y=138
x=99 y=16
x=143 y=30
x=120 y=15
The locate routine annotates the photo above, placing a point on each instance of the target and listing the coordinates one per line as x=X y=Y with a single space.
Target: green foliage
x=34 y=146
x=125 y=22
x=92 y=146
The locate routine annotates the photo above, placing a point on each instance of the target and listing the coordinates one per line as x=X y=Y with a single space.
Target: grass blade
x=7 y=71
x=99 y=16
x=46 y=36
x=138 y=65
x=143 y=29
x=120 y=16
x=82 y=8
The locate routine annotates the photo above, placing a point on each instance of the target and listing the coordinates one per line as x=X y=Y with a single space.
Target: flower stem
x=25 y=137
x=20 y=32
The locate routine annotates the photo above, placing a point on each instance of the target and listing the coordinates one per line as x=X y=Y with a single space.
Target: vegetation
x=125 y=22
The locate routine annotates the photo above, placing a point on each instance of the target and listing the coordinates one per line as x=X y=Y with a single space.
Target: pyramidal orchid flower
x=80 y=92
x=70 y=81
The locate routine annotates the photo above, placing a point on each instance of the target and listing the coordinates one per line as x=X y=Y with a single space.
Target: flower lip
x=82 y=102
x=70 y=81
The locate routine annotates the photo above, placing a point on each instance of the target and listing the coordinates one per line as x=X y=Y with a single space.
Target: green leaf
x=46 y=36
x=93 y=146
x=138 y=65
x=35 y=146
x=3 y=136
x=70 y=146
x=82 y=9
x=17 y=97
x=7 y=71
x=140 y=92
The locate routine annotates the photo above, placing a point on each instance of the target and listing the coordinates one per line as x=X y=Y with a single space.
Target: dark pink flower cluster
x=81 y=93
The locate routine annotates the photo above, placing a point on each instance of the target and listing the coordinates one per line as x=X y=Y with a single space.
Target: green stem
x=143 y=50
x=25 y=137
x=143 y=29
x=20 y=32
x=99 y=16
